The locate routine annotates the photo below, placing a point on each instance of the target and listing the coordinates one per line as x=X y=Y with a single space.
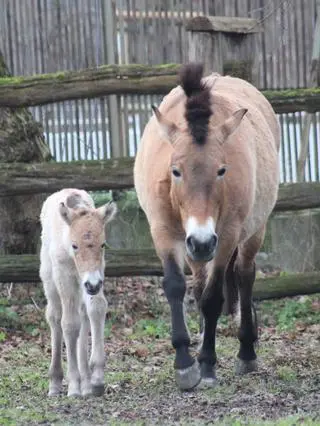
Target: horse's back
x=242 y=94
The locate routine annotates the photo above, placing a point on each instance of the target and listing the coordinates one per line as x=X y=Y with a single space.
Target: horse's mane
x=198 y=110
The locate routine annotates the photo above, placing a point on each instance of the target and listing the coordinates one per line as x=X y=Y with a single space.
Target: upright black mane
x=198 y=110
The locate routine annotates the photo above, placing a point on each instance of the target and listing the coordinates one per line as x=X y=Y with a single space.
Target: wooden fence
x=44 y=36
x=117 y=174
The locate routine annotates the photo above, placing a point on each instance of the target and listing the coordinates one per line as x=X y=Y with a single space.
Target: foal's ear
x=108 y=211
x=168 y=128
x=65 y=213
x=231 y=123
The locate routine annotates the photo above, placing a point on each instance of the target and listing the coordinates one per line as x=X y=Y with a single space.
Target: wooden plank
x=21 y=179
x=225 y=24
x=25 y=268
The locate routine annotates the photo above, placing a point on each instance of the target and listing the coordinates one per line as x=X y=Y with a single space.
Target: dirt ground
x=140 y=386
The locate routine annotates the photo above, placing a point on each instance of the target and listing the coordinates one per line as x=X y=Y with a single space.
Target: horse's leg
x=248 y=332
x=53 y=316
x=174 y=284
x=211 y=305
x=199 y=275
x=83 y=361
x=69 y=292
x=97 y=308
x=231 y=292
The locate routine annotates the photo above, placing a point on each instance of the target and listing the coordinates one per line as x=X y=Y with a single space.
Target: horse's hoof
x=207 y=383
x=98 y=390
x=208 y=376
x=244 y=367
x=188 y=378
x=54 y=393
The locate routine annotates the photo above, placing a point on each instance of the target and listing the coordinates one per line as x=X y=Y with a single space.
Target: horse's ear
x=65 y=213
x=168 y=128
x=108 y=211
x=231 y=123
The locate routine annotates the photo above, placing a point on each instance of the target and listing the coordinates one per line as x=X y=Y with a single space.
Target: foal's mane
x=198 y=110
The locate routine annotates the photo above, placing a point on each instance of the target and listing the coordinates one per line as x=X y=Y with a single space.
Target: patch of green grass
x=285 y=314
x=286 y=373
x=157 y=328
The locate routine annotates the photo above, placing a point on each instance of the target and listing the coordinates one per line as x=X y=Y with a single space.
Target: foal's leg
x=83 y=362
x=245 y=274
x=211 y=306
x=97 y=309
x=53 y=315
x=69 y=291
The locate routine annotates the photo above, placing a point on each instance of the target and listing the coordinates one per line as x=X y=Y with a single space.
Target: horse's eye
x=221 y=171
x=75 y=247
x=103 y=245
x=176 y=173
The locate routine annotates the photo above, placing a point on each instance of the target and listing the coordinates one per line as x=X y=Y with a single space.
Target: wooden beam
x=125 y=79
x=25 y=268
x=89 y=83
x=21 y=178
x=224 y=24
x=298 y=196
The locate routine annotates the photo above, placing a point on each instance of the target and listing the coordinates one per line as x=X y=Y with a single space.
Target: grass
x=140 y=388
x=288 y=313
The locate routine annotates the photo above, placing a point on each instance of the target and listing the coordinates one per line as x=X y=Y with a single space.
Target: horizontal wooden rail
x=25 y=268
x=27 y=178
x=44 y=89
x=21 y=178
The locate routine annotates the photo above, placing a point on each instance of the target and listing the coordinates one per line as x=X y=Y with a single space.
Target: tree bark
x=21 y=139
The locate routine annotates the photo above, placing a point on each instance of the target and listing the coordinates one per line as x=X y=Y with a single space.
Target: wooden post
x=313 y=82
x=117 y=149
x=227 y=45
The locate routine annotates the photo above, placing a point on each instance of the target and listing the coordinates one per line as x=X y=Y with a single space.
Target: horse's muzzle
x=201 y=250
x=93 y=289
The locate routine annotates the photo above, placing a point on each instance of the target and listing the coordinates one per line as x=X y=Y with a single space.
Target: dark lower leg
x=248 y=327
x=211 y=305
x=175 y=287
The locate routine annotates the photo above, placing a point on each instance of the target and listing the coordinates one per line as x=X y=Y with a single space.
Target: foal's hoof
x=188 y=378
x=98 y=390
x=244 y=367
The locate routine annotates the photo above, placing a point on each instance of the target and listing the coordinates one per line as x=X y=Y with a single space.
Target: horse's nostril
x=213 y=242
x=191 y=243
x=87 y=285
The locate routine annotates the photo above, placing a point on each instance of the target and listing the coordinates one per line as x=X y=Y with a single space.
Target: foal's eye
x=221 y=171
x=75 y=247
x=103 y=245
x=176 y=173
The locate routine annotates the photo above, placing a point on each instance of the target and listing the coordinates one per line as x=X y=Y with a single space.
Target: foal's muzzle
x=93 y=289
x=201 y=250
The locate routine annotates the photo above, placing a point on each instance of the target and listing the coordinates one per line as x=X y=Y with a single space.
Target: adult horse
x=206 y=175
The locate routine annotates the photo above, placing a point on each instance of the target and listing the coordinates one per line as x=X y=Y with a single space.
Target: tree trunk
x=21 y=139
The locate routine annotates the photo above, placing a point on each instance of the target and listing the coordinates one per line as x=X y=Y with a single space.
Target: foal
x=206 y=175
x=72 y=271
